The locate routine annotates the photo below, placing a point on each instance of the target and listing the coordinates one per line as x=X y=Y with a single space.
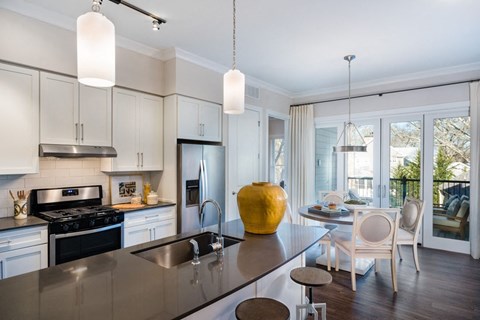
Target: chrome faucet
x=196 y=252
x=217 y=246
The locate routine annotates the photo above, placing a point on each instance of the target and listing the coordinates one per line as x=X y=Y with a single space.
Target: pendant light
x=95 y=48
x=350 y=130
x=234 y=82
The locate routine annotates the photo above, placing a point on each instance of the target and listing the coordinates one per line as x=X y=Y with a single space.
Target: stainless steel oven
x=79 y=226
x=75 y=245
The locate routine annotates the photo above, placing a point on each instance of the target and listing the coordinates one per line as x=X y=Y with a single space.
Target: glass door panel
x=362 y=173
x=402 y=161
x=448 y=203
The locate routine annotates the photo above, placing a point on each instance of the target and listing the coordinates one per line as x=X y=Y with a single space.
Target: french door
x=423 y=156
x=391 y=168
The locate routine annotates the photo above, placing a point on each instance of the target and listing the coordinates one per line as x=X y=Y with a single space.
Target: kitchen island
x=121 y=285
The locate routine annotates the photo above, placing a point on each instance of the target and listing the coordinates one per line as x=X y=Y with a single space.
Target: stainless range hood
x=76 y=151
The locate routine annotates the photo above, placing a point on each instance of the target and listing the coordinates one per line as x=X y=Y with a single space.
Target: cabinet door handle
x=82 y=130
x=76 y=131
x=2 y=269
x=142 y=159
x=138 y=159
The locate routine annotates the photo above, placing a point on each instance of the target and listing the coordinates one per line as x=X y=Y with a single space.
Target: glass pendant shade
x=233 y=92
x=95 y=50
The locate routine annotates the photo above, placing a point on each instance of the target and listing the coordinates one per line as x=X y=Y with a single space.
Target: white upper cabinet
x=199 y=120
x=137 y=132
x=95 y=116
x=19 y=120
x=71 y=113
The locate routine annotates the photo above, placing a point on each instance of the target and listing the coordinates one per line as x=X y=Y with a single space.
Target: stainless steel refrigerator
x=200 y=176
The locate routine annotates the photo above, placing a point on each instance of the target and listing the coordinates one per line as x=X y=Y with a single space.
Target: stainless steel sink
x=175 y=253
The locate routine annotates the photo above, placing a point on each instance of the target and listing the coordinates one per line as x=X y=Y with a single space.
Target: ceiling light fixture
x=95 y=48
x=234 y=81
x=350 y=130
x=157 y=21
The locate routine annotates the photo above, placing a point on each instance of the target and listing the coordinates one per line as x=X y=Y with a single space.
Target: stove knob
x=65 y=227
x=91 y=223
x=114 y=219
x=76 y=226
x=107 y=220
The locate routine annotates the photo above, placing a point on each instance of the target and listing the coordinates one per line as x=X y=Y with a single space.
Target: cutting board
x=128 y=206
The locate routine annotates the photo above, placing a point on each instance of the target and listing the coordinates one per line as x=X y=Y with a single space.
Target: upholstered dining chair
x=374 y=235
x=410 y=223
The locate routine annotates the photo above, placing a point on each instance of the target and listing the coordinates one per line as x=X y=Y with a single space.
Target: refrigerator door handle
x=201 y=192
x=205 y=179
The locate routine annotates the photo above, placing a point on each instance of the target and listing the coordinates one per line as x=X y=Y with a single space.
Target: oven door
x=76 y=245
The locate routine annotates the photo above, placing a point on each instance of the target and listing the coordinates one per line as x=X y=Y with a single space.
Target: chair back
x=336 y=197
x=375 y=229
x=412 y=215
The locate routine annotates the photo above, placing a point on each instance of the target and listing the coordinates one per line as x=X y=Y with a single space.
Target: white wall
x=407 y=99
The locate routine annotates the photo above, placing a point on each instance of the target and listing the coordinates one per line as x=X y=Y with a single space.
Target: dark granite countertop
x=119 y=285
x=11 y=223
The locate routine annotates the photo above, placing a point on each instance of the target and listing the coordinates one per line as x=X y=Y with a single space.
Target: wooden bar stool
x=262 y=309
x=311 y=277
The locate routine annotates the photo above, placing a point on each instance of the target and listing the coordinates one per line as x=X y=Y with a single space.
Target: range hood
x=75 y=151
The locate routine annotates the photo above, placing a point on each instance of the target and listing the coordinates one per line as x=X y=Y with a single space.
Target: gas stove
x=83 y=218
x=73 y=209
x=79 y=225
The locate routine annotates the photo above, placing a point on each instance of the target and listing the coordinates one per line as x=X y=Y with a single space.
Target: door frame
x=286 y=119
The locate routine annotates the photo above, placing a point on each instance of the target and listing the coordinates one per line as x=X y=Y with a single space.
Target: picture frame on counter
x=123 y=188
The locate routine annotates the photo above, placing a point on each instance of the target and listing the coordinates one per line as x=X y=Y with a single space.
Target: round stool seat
x=261 y=309
x=310 y=277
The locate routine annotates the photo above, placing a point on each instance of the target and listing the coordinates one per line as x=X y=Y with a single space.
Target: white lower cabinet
x=23 y=250
x=148 y=225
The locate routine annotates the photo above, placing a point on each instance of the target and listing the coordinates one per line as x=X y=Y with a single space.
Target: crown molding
x=208 y=64
x=416 y=76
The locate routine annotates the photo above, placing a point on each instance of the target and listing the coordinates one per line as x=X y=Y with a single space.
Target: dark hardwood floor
x=447 y=287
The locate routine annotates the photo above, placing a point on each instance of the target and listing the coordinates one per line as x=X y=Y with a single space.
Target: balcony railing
x=401 y=188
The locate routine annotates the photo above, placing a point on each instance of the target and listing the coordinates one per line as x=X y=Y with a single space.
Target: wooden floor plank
x=447 y=287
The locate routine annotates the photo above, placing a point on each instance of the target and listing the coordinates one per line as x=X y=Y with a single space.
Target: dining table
x=344 y=224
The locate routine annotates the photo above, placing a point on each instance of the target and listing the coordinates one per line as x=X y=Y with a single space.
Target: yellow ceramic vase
x=261 y=206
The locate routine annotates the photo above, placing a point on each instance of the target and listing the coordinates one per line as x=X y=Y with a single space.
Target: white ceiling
x=298 y=46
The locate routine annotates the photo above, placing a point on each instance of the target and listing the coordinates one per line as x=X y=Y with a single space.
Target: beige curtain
x=301 y=164
x=475 y=170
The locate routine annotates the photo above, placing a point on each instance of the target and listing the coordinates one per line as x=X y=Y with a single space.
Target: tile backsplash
x=54 y=173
